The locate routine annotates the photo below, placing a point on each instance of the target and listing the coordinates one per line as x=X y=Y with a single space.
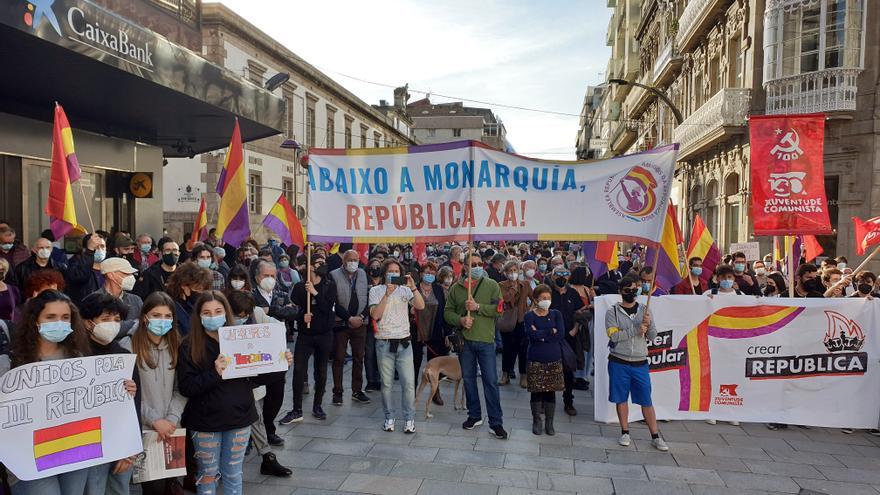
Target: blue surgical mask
x=100 y=255
x=739 y=267
x=284 y=264
x=477 y=272
x=726 y=284
x=429 y=278
x=213 y=323
x=146 y=247
x=241 y=320
x=214 y=265
x=55 y=331
x=841 y=266
x=639 y=290
x=646 y=287
x=6 y=246
x=204 y=263
x=542 y=267
x=696 y=271
x=159 y=326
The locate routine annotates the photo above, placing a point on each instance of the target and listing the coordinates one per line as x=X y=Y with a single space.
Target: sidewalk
x=349 y=453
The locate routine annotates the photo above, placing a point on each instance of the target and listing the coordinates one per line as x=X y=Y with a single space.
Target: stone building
x=720 y=61
x=445 y=122
x=319 y=113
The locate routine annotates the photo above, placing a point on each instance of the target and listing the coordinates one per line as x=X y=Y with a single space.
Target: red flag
x=364 y=251
x=420 y=253
x=867 y=233
x=788 y=174
x=812 y=248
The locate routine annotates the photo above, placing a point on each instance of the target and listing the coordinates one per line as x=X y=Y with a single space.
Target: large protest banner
x=468 y=191
x=68 y=414
x=773 y=360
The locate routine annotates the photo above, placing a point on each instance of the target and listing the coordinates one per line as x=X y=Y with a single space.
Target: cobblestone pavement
x=349 y=453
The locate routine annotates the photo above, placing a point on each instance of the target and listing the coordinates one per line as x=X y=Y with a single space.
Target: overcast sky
x=523 y=53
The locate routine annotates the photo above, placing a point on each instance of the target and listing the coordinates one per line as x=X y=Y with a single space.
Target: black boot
x=536 y=417
x=549 y=412
x=270 y=467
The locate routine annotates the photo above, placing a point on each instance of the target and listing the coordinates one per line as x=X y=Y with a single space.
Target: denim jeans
x=220 y=453
x=60 y=484
x=371 y=366
x=588 y=356
x=101 y=480
x=482 y=354
x=402 y=361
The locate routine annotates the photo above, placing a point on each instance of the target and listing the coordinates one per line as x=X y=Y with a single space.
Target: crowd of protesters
x=387 y=311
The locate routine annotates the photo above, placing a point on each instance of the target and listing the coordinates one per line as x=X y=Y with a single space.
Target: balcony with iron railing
x=668 y=61
x=723 y=115
x=829 y=90
x=697 y=16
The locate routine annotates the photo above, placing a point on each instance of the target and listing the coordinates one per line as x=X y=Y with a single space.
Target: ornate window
x=802 y=36
x=711 y=218
x=732 y=208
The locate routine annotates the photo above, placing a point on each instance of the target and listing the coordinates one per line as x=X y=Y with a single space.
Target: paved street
x=349 y=453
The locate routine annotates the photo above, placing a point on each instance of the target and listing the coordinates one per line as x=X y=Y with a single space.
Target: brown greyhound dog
x=449 y=366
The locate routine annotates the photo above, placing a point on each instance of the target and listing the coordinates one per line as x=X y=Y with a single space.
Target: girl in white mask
x=102 y=316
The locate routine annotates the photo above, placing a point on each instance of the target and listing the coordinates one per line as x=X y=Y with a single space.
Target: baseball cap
x=111 y=265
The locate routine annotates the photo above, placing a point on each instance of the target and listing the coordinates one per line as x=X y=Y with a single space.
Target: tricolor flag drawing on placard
x=695 y=377
x=68 y=443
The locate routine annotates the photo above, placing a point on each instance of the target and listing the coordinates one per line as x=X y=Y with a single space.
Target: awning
x=121 y=80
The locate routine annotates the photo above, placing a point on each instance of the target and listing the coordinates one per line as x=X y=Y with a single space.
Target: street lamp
x=675 y=111
x=292 y=144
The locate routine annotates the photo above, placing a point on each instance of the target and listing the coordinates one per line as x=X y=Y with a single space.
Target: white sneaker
x=711 y=422
x=410 y=426
x=389 y=425
x=734 y=423
x=659 y=444
x=625 y=440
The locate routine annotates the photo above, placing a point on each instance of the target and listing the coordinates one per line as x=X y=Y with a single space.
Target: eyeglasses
x=628 y=291
x=562 y=274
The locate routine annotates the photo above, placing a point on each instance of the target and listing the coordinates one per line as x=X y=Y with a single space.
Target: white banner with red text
x=468 y=191
x=741 y=358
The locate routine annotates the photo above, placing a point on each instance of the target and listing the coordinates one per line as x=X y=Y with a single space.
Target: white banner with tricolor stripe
x=67 y=414
x=468 y=190
x=743 y=358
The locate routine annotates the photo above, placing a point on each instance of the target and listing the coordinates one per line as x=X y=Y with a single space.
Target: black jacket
x=280 y=308
x=151 y=280
x=26 y=268
x=324 y=307
x=81 y=277
x=214 y=404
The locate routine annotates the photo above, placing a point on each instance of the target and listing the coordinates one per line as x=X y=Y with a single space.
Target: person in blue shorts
x=630 y=327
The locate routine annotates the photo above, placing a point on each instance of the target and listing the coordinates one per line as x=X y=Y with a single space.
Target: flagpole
x=865 y=262
x=789 y=248
x=309 y=279
x=654 y=275
x=86 y=203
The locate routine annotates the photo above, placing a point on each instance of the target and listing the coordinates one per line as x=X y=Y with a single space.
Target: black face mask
x=170 y=259
x=628 y=297
x=769 y=290
x=321 y=271
x=376 y=271
x=561 y=282
x=814 y=285
x=865 y=288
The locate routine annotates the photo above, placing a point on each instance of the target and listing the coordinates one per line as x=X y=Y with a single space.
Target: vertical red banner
x=788 y=174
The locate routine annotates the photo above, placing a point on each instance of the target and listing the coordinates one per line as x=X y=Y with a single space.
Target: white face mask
x=105 y=332
x=127 y=283
x=530 y=273
x=268 y=284
x=44 y=253
x=351 y=266
x=513 y=277
x=237 y=284
x=545 y=304
x=461 y=257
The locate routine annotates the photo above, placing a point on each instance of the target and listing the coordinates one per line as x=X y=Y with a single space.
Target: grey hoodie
x=623 y=334
x=159 y=396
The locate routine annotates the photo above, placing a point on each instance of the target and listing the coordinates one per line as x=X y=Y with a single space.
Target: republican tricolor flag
x=65 y=171
x=200 y=228
x=233 y=225
x=668 y=267
x=283 y=222
x=703 y=246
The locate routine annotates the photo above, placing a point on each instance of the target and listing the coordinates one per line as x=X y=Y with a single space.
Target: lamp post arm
x=675 y=111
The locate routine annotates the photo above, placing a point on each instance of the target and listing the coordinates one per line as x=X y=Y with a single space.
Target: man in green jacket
x=473 y=312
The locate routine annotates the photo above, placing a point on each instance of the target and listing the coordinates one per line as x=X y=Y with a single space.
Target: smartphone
x=397 y=281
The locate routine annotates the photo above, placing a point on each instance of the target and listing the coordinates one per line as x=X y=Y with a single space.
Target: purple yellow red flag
x=600 y=256
x=668 y=264
x=200 y=228
x=65 y=171
x=703 y=246
x=233 y=224
x=283 y=222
